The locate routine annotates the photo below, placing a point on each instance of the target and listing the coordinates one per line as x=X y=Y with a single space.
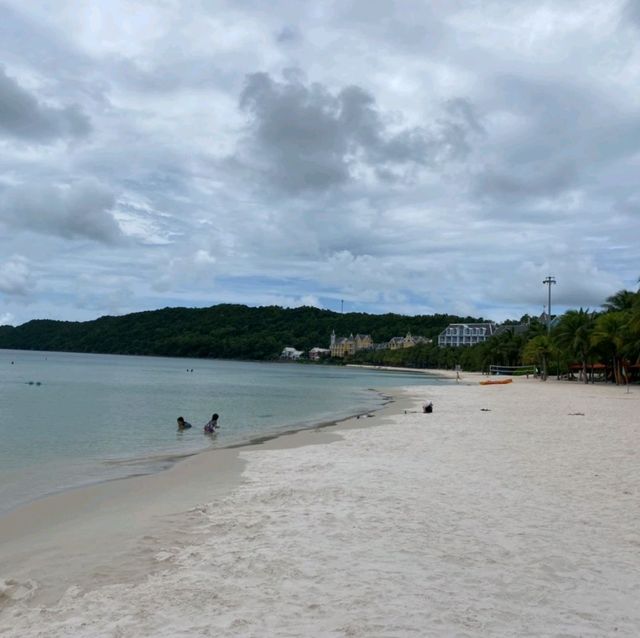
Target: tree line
x=229 y=331
x=606 y=341
x=581 y=343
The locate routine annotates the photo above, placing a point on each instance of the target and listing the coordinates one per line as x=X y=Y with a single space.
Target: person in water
x=182 y=424
x=212 y=425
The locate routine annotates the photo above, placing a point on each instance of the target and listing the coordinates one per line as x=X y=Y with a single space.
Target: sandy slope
x=509 y=511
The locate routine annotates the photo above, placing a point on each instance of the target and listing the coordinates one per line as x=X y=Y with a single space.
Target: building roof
x=488 y=325
x=516 y=328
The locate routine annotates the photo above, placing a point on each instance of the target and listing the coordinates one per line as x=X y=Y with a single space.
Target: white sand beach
x=510 y=511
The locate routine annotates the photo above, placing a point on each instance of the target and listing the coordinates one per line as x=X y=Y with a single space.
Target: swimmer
x=212 y=426
x=182 y=424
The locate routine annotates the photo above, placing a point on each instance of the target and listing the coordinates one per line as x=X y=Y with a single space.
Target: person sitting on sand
x=182 y=424
x=212 y=426
x=427 y=407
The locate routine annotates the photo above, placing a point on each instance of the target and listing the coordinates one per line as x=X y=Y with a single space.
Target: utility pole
x=548 y=281
x=341 y=306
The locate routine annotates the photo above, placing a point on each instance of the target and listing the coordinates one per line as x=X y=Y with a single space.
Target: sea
x=69 y=420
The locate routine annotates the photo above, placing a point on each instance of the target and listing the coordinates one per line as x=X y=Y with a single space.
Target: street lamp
x=548 y=281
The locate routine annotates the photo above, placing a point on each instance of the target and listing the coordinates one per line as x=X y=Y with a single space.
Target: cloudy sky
x=415 y=157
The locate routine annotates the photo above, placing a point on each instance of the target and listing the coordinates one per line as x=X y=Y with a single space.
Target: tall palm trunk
x=617 y=372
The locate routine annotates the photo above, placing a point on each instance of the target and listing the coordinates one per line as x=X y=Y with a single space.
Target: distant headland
x=229 y=331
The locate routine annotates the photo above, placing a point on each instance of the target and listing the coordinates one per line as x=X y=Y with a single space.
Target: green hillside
x=223 y=331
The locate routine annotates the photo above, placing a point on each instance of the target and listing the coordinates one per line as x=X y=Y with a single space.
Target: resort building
x=346 y=346
x=291 y=353
x=318 y=353
x=466 y=334
x=546 y=318
x=395 y=343
x=514 y=328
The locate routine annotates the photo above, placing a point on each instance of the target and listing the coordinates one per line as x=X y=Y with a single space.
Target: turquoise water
x=68 y=420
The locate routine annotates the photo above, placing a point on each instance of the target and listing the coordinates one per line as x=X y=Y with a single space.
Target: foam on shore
x=511 y=510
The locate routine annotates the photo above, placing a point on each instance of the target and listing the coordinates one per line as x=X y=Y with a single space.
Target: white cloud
x=7 y=319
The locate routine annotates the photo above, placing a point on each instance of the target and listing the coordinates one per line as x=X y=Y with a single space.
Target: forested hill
x=223 y=331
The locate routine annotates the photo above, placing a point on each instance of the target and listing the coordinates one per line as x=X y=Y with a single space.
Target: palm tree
x=622 y=300
x=609 y=334
x=632 y=346
x=539 y=350
x=511 y=346
x=573 y=334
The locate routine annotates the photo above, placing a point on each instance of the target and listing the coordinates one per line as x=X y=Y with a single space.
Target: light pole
x=548 y=281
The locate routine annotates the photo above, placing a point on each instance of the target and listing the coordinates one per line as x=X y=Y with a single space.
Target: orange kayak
x=500 y=382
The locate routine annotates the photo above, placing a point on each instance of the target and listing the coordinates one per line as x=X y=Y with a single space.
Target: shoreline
x=509 y=510
x=170 y=459
x=436 y=372
x=112 y=515
x=153 y=447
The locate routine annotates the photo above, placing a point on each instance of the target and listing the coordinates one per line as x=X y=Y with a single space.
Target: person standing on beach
x=182 y=424
x=212 y=425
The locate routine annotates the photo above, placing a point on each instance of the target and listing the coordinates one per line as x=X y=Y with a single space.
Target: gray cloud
x=537 y=179
x=168 y=76
x=287 y=35
x=631 y=12
x=307 y=137
x=552 y=136
x=15 y=276
x=82 y=209
x=22 y=116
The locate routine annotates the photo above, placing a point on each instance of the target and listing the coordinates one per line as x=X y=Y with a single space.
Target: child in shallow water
x=182 y=424
x=212 y=425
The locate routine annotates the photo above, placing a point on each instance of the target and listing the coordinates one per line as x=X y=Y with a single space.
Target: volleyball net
x=514 y=371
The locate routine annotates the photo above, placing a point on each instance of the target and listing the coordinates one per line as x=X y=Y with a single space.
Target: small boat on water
x=496 y=381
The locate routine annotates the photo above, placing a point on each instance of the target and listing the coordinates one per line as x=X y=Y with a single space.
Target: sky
x=410 y=157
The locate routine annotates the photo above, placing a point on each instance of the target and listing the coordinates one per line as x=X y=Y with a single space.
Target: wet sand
x=108 y=532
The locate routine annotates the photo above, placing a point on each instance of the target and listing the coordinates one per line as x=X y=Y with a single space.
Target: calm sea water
x=68 y=420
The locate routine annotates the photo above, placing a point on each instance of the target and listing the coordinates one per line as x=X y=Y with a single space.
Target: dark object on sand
x=485 y=410
x=427 y=407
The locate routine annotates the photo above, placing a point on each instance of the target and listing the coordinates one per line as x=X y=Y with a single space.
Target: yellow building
x=409 y=341
x=346 y=346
